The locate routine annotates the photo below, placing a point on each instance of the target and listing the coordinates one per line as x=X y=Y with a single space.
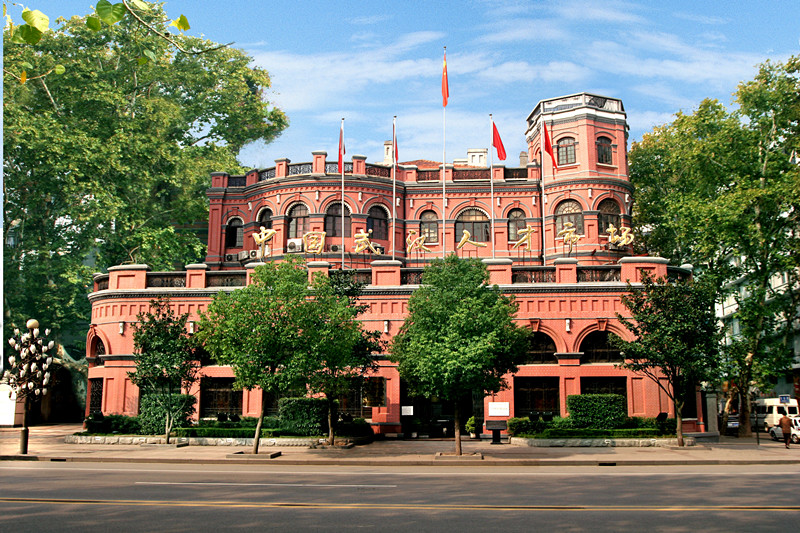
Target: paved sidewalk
x=46 y=443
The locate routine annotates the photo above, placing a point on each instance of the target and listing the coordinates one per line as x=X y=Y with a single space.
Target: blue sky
x=369 y=61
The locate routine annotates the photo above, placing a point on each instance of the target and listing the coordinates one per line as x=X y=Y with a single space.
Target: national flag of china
x=445 y=86
x=497 y=142
x=341 y=148
x=547 y=146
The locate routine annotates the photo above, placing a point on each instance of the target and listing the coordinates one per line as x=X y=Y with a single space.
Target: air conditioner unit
x=229 y=257
x=243 y=255
x=335 y=248
x=255 y=254
x=294 y=245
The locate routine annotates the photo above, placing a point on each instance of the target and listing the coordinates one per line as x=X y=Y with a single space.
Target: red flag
x=445 y=86
x=497 y=142
x=547 y=146
x=341 y=148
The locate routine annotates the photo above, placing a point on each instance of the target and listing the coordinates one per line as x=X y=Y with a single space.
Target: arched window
x=429 y=226
x=298 y=221
x=378 y=222
x=475 y=222
x=265 y=218
x=604 y=155
x=541 y=350
x=569 y=211
x=597 y=348
x=609 y=214
x=333 y=220
x=566 y=151
x=516 y=222
x=99 y=349
x=234 y=233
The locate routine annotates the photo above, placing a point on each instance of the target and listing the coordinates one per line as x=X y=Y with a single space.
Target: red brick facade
x=565 y=295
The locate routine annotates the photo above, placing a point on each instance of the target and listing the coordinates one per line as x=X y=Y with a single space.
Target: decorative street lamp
x=29 y=375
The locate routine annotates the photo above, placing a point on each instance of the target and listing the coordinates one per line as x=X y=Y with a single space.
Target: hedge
x=597 y=411
x=304 y=416
x=153 y=417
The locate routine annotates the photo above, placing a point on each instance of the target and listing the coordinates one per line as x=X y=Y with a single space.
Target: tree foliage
x=108 y=163
x=721 y=190
x=337 y=351
x=675 y=336
x=257 y=330
x=459 y=336
x=165 y=359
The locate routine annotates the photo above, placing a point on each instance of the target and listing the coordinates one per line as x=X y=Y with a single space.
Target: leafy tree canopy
x=108 y=162
x=459 y=335
x=721 y=190
x=676 y=336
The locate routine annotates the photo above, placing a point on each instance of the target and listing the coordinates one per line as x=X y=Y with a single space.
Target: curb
x=420 y=461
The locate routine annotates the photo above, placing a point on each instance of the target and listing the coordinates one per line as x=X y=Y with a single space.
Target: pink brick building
x=568 y=296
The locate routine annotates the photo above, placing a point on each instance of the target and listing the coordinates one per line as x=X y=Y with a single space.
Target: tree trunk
x=257 y=436
x=457 y=427
x=331 y=437
x=679 y=422
x=23 y=433
x=167 y=426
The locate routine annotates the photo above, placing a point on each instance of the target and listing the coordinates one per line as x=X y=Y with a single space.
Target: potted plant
x=472 y=427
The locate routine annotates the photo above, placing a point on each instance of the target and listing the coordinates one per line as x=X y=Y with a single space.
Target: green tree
x=257 y=330
x=109 y=162
x=336 y=348
x=721 y=190
x=676 y=337
x=459 y=337
x=165 y=359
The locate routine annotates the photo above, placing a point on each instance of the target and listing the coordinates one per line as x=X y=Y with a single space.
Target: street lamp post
x=29 y=373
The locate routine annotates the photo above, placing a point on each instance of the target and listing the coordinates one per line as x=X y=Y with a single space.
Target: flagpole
x=542 y=133
x=394 y=183
x=341 y=161
x=491 y=178
x=445 y=94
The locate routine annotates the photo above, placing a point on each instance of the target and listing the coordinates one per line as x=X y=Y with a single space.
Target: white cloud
x=704 y=19
x=609 y=11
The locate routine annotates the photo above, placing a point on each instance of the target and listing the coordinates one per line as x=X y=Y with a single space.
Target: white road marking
x=195 y=483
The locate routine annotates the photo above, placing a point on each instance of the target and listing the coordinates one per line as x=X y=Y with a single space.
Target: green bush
x=358 y=427
x=668 y=426
x=526 y=426
x=244 y=422
x=229 y=433
x=584 y=433
x=559 y=422
x=152 y=416
x=304 y=416
x=121 y=424
x=597 y=411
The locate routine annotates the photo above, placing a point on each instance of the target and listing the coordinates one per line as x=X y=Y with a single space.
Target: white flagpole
x=394 y=183
x=341 y=157
x=541 y=185
x=491 y=177
x=444 y=171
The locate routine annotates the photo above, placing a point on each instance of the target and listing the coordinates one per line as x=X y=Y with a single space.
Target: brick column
x=566 y=270
x=386 y=272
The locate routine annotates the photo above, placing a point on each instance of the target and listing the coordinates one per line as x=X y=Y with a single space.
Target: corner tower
x=587 y=185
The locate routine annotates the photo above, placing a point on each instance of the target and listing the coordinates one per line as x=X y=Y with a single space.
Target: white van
x=770 y=410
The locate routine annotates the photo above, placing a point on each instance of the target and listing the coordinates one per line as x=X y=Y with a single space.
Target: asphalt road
x=119 y=497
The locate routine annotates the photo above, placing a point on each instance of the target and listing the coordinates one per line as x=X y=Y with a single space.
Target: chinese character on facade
x=314 y=242
x=569 y=235
x=623 y=239
x=415 y=243
x=465 y=239
x=525 y=238
x=262 y=238
x=362 y=242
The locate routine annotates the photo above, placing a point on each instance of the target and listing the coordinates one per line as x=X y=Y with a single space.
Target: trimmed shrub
x=526 y=426
x=559 y=422
x=230 y=433
x=121 y=424
x=357 y=428
x=584 y=433
x=597 y=411
x=152 y=416
x=668 y=426
x=304 y=416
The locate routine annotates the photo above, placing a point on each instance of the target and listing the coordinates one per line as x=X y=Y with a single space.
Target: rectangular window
x=218 y=397
x=535 y=397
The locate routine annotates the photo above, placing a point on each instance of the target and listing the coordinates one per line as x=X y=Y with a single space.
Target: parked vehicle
x=770 y=410
x=777 y=434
